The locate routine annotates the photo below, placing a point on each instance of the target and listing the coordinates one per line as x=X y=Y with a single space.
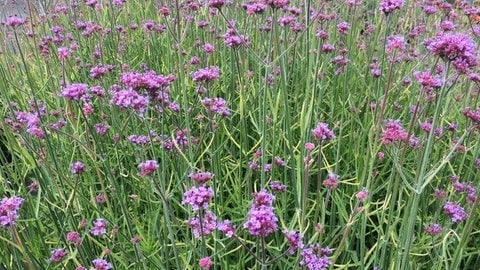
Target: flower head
x=205 y=263
x=455 y=211
x=322 y=133
x=57 y=255
x=198 y=197
x=8 y=210
x=99 y=227
x=148 y=167
x=101 y=264
x=388 y=6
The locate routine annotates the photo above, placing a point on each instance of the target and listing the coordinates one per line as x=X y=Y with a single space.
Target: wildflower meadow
x=250 y=134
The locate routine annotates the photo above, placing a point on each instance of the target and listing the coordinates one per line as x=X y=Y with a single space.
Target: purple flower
x=8 y=210
x=216 y=105
x=215 y=3
x=312 y=261
x=200 y=176
x=261 y=221
x=205 y=263
x=74 y=237
x=279 y=162
x=226 y=227
x=99 y=227
x=473 y=115
x=206 y=74
x=130 y=99
x=343 y=28
x=198 y=197
x=101 y=129
x=394 y=132
x=276 y=186
x=101 y=264
x=78 y=168
x=208 y=225
x=148 y=167
x=74 y=91
x=455 y=211
x=57 y=255
x=332 y=181
x=458 y=48
x=139 y=139
x=388 y=6
x=14 y=21
x=263 y=198
x=433 y=229
x=322 y=133
x=294 y=240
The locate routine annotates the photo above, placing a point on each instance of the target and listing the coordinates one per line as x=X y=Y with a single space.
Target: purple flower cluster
x=149 y=80
x=455 y=211
x=78 y=168
x=433 y=229
x=9 y=210
x=473 y=115
x=332 y=181
x=148 y=167
x=139 y=139
x=206 y=74
x=203 y=226
x=394 y=132
x=458 y=48
x=322 y=133
x=294 y=240
x=101 y=264
x=32 y=122
x=74 y=91
x=130 y=99
x=388 y=6
x=57 y=255
x=315 y=258
x=14 y=21
x=216 y=106
x=200 y=177
x=262 y=220
x=99 y=227
x=198 y=197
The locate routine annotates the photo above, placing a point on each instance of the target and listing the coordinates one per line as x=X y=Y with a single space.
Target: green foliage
x=277 y=86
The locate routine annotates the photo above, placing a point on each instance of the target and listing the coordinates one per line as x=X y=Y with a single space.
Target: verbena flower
x=14 y=21
x=9 y=210
x=315 y=258
x=200 y=177
x=458 y=48
x=74 y=237
x=74 y=91
x=206 y=74
x=322 y=133
x=433 y=229
x=99 y=227
x=332 y=181
x=394 y=132
x=388 y=6
x=455 y=211
x=148 y=167
x=276 y=186
x=101 y=264
x=78 y=168
x=57 y=255
x=198 y=197
x=208 y=225
x=205 y=263
x=226 y=227
x=130 y=99
x=261 y=220
x=294 y=240
x=216 y=106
